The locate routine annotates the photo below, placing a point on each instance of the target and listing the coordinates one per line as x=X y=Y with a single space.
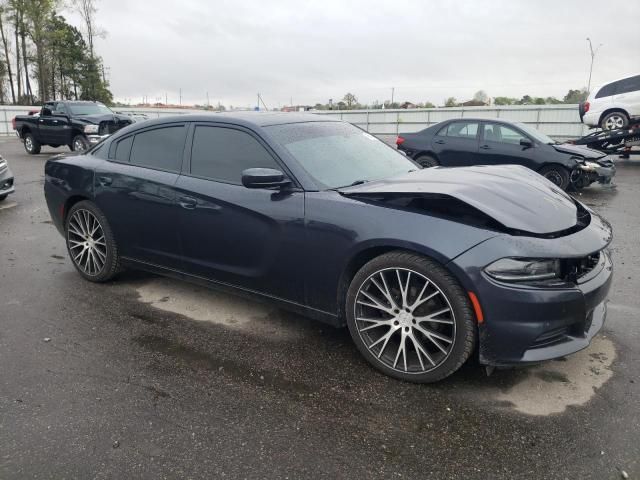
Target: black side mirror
x=264 y=178
x=525 y=142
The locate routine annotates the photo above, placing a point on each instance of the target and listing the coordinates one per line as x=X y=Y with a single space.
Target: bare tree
x=350 y=99
x=5 y=45
x=87 y=10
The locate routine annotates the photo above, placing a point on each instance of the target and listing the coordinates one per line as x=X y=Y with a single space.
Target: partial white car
x=613 y=105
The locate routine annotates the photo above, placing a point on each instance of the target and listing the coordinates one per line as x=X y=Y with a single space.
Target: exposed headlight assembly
x=91 y=129
x=589 y=166
x=524 y=270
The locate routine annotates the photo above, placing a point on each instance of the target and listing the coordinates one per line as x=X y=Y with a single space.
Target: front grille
x=111 y=126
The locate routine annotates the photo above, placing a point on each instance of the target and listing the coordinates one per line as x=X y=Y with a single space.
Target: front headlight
x=589 y=166
x=91 y=129
x=524 y=270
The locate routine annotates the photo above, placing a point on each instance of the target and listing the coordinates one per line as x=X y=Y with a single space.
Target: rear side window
x=607 y=90
x=460 y=130
x=160 y=148
x=122 y=150
x=628 y=85
x=222 y=154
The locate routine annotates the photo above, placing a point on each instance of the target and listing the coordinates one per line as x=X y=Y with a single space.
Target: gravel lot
x=152 y=378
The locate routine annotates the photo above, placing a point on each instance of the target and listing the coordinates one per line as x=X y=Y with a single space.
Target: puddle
x=553 y=386
x=207 y=305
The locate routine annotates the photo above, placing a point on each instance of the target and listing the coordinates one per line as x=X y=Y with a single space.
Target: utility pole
x=392 y=92
x=593 y=56
x=181 y=96
x=166 y=98
x=208 y=104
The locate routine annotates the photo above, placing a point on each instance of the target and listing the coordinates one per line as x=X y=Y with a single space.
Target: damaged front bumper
x=529 y=324
x=6 y=179
x=601 y=171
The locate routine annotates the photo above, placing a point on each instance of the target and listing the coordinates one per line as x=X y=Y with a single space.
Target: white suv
x=614 y=105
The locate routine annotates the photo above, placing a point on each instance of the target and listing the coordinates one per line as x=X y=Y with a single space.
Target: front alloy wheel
x=90 y=243
x=410 y=318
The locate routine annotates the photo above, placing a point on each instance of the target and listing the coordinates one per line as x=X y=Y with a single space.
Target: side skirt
x=320 y=315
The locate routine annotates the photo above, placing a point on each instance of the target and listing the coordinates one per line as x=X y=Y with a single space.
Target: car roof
x=474 y=119
x=244 y=118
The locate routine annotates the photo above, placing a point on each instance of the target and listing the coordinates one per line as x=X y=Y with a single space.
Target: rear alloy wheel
x=31 y=145
x=556 y=174
x=79 y=144
x=614 y=121
x=3 y=197
x=90 y=243
x=427 y=161
x=410 y=318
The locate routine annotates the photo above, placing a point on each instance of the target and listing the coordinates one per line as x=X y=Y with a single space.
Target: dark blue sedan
x=425 y=266
x=470 y=141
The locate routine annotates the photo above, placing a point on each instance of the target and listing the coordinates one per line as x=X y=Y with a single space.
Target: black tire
x=111 y=261
x=461 y=332
x=79 y=143
x=3 y=197
x=31 y=145
x=556 y=174
x=614 y=121
x=427 y=161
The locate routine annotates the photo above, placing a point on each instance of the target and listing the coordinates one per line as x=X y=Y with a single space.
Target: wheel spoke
x=405 y=288
x=401 y=349
x=384 y=291
x=431 y=317
x=375 y=323
x=376 y=303
x=420 y=351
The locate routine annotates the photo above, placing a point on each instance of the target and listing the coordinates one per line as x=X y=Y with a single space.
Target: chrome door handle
x=439 y=141
x=485 y=147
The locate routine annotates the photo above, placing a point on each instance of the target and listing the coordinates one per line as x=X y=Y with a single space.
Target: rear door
x=136 y=191
x=628 y=95
x=456 y=143
x=251 y=238
x=500 y=144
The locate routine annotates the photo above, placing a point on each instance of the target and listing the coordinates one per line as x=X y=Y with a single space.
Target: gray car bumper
x=6 y=182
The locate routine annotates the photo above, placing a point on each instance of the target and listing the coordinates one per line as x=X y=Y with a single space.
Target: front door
x=500 y=145
x=236 y=235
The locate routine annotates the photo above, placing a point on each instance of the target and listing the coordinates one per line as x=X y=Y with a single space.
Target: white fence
x=561 y=122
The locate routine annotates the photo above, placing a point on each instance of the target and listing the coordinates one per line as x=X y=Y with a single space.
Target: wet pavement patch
x=552 y=387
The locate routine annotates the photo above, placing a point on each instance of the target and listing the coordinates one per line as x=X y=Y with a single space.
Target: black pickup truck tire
x=79 y=143
x=31 y=145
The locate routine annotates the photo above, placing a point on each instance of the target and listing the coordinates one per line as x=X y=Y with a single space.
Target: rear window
x=460 y=130
x=160 y=149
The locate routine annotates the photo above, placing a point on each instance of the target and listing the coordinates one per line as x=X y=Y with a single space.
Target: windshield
x=337 y=154
x=538 y=135
x=89 y=109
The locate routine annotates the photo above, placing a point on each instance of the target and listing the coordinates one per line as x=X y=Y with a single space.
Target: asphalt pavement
x=146 y=377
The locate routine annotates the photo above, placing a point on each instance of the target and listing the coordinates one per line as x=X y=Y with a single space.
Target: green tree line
x=350 y=102
x=43 y=57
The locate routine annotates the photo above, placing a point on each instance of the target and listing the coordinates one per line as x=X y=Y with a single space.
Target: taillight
x=399 y=140
x=13 y=122
x=586 y=107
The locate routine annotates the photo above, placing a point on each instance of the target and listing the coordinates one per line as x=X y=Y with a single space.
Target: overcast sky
x=310 y=51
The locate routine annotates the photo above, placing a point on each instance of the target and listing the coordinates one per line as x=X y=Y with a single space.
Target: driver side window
x=494 y=132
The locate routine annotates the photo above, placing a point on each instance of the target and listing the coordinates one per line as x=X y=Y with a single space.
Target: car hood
x=96 y=119
x=516 y=197
x=585 y=152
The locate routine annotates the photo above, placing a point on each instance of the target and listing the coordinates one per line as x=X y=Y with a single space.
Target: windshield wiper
x=352 y=184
